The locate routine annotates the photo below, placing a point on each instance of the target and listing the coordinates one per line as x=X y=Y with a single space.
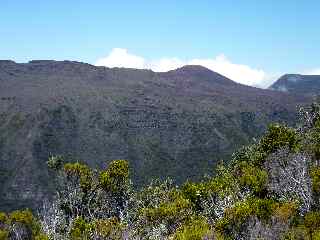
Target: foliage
x=96 y=229
x=315 y=176
x=55 y=162
x=172 y=211
x=252 y=154
x=279 y=136
x=4 y=234
x=108 y=228
x=194 y=192
x=20 y=224
x=251 y=177
x=270 y=190
x=89 y=203
x=116 y=177
x=312 y=221
x=195 y=229
x=79 y=172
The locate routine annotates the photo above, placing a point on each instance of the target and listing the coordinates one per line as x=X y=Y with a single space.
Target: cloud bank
x=313 y=72
x=240 y=73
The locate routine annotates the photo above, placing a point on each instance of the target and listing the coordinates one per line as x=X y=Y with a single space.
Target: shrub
x=116 y=177
x=4 y=234
x=312 y=221
x=315 y=177
x=108 y=229
x=79 y=172
x=195 y=229
x=178 y=208
x=26 y=220
x=299 y=232
x=80 y=229
x=22 y=224
x=194 y=192
x=252 y=154
x=235 y=218
x=279 y=136
x=224 y=183
x=251 y=177
x=285 y=211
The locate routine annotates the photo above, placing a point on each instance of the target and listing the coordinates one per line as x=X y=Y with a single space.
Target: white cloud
x=165 y=64
x=120 y=57
x=238 y=72
x=315 y=71
x=268 y=80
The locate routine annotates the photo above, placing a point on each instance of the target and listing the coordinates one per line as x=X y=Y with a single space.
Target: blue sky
x=271 y=36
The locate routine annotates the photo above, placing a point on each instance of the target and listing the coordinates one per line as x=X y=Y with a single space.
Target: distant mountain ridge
x=298 y=84
x=175 y=124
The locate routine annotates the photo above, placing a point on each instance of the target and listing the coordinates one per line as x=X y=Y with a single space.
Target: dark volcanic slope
x=298 y=84
x=176 y=124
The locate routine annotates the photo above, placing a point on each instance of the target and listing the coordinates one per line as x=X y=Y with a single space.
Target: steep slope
x=175 y=124
x=298 y=84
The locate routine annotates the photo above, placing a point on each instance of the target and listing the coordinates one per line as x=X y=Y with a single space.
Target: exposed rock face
x=176 y=124
x=298 y=84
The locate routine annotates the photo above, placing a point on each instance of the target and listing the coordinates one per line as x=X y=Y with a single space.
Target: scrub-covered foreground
x=270 y=190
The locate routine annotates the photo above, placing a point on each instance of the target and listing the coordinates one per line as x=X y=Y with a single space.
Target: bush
x=235 y=218
x=279 y=136
x=79 y=172
x=251 y=177
x=108 y=229
x=194 y=192
x=252 y=154
x=4 y=234
x=3 y=218
x=195 y=229
x=20 y=224
x=315 y=176
x=312 y=221
x=116 y=177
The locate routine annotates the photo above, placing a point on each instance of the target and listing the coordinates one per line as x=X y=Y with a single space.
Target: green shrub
x=41 y=236
x=252 y=177
x=312 y=221
x=224 y=183
x=285 y=211
x=235 y=217
x=55 y=162
x=4 y=234
x=279 y=136
x=316 y=235
x=299 y=232
x=96 y=229
x=194 y=192
x=196 y=229
x=80 y=172
x=80 y=229
x=108 y=228
x=3 y=218
x=251 y=154
x=312 y=140
x=116 y=177
x=178 y=208
x=315 y=177
x=25 y=219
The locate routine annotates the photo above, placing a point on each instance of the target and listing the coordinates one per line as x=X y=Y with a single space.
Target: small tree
x=86 y=196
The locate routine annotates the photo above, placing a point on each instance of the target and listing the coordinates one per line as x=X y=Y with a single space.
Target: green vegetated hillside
x=269 y=190
x=177 y=124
